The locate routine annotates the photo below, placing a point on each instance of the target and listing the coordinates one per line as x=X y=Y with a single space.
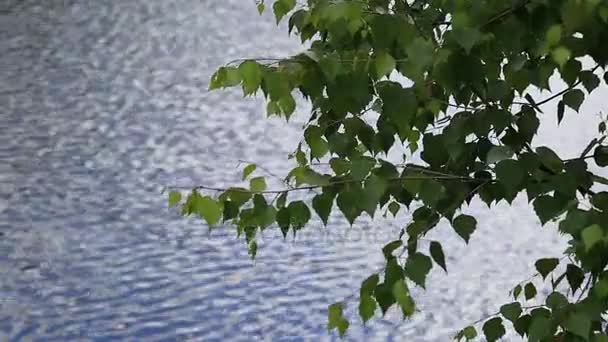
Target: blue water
x=102 y=104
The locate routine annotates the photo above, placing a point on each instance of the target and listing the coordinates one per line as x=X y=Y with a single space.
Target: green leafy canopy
x=470 y=107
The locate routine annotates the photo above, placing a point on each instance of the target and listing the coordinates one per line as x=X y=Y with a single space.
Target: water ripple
x=103 y=104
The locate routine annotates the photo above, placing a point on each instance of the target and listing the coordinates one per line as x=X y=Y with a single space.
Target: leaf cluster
x=485 y=58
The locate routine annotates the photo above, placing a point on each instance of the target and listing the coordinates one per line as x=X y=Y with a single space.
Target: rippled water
x=103 y=103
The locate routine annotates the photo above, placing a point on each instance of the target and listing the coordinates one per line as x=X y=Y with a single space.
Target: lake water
x=103 y=103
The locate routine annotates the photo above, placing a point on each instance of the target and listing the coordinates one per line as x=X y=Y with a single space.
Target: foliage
x=469 y=112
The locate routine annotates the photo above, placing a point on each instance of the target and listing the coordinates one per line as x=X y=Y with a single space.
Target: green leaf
x=497 y=90
x=590 y=80
x=511 y=174
x=522 y=325
x=528 y=124
x=282 y=7
x=467 y=37
x=283 y=220
x=547 y=207
x=360 y=167
x=600 y=155
x=330 y=66
x=575 y=277
x=322 y=204
x=571 y=71
x=498 y=153
x=342 y=327
x=253 y=249
x=384 y=296
x=272 y=108
x=367 y=307
x=467 y=333
x=231 y=210
x=390 y=247
x=369 y=285
x=560 y=111
x=516 y=291
x=403 y=298
x=600 y=201
x=529 y=291
x=600 y=338
x=493 y=329
x=347 y=203
x=561 y=55
x=248 y=170
x=554 y=35
x=208 y=209
x=546 y=266
x=314 y=138
x=287 y=104
x=239 y=196
x=251 y=74
x=233 y=77
x=600 y=289
x=276 y=85
x=434 y=151
x=257 y=184
x=260 y=6
x=592 y=235
x=431 y=191
x=394 y=208
x=574 y=98
x=437 y=254
x=420 y=53
x=464 y=225
x=334 y=314
x=341 y=144
x=174 y=198
x=373 y=190
x=550 y=159
x=336 y=320
x=339 y=166
x=384 y=63
x=540 y=328
x=511 y=311
x=392 y=272
x=417 y=267
x=282 y=199
x=556 y=301
x=578 y=324
x=385 y=30
x=218 y=79
x=299 y=214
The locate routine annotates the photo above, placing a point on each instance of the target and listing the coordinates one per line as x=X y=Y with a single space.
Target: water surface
x=103 y=103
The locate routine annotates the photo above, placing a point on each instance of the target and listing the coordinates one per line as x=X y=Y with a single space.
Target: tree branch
x=312 y=187
x=524 y=308
x=551 y=98
x=504 y=13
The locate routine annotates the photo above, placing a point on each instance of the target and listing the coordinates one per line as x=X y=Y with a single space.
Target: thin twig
x=584 y=289
x=551 y=98
x=534 y=275
x=453 y=207
x=532 y=307
x=267 y=171
x=590 y=146
x=312 y=187
x=504 y=14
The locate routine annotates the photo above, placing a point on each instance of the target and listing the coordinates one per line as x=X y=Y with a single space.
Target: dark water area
x=102 y=104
